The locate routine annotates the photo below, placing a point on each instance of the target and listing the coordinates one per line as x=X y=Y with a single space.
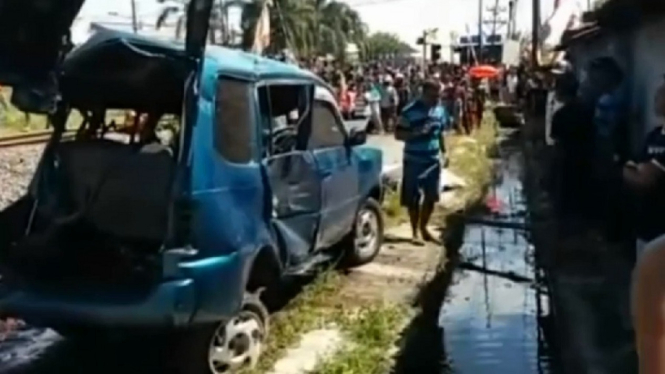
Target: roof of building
x=579 y=34
x=613 y=15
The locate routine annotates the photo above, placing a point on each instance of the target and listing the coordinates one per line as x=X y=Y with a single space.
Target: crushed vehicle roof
x=243 y=64
x=132 y=71
x=129 y=70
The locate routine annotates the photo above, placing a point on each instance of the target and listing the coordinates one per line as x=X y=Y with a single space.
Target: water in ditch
x=495 y=314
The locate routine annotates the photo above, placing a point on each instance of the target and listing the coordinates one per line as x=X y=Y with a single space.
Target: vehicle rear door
x=340 y=192
x=34 y=39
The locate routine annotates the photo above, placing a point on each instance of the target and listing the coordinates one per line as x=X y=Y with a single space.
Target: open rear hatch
x=34 y=38
x=34 y=41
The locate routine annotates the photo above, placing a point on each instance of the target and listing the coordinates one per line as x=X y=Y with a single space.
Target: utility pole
x=135 y=22
x=424 y=42
x=511 y=19
x=424 y=39
x=535 y=32
x=480 y=31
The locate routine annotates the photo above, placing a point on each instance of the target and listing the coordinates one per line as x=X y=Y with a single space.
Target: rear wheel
x=229 y=346
x=365 y=240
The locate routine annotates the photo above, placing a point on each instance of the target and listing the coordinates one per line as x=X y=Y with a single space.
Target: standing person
x=608 y=144
x=373 y=98
x=648 y=288
x=403 y=92
x=457 y=114
x=389 y=102
x=552 y=106
x=478 y=103
x=421 y=128
x=573 y=132
x=646 y=178
x=512 y=83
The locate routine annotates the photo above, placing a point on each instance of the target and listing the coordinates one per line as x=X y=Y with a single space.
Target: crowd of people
x=419 y=106
x=385 y=90
x=603 y=179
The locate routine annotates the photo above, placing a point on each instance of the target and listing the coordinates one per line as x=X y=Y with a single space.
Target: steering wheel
x=284 y=139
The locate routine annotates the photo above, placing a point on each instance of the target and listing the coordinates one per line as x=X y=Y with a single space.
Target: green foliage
x=382 y=43
x=318 y=27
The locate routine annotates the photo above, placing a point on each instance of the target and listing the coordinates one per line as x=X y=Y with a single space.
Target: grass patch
x=470 y=158
x=372 y=330
x=307 y=311
x=395 y=214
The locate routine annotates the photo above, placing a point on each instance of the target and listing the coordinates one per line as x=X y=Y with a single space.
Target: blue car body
x=233 y=218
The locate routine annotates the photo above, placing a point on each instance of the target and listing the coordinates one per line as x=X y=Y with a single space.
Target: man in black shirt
x=572 y=132
x=646 y=178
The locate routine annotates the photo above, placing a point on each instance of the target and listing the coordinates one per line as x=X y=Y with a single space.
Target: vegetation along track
x=34 y=137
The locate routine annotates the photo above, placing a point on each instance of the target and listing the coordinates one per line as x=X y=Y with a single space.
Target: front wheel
x=229 y=346
x=365 y=240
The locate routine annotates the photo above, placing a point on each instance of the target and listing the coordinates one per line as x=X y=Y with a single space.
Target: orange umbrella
x=483 y=71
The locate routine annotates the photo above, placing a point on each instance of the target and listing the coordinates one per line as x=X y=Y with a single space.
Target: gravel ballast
x=17 y=164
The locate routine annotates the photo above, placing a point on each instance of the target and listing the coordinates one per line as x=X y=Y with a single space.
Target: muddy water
x=495 y=315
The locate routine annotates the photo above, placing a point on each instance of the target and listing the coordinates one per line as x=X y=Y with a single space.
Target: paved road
x=392 y=149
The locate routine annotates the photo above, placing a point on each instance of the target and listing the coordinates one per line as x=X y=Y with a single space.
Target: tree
x=178 y=9
x=382 y=44
x=307 y=27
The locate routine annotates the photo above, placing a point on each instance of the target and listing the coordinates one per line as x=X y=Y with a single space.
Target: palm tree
x=307 y=27
x=178 y=9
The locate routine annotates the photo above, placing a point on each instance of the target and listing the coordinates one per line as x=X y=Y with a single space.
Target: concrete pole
x=480 y=32
x=424 y=51
x=535 y=32
x=135 y=22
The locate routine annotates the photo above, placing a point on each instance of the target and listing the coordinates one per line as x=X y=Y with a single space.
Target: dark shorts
x=420 y=180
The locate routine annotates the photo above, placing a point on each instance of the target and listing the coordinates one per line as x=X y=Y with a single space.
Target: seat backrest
x=123 y=192
x=134 y=197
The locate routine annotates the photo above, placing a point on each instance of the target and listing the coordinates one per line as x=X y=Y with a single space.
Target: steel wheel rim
x=236 y=344
x=367 y=232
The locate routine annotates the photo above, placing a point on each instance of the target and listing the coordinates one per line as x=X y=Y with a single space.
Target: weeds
x=370 y=332
x=373 y=330
x=307 y=311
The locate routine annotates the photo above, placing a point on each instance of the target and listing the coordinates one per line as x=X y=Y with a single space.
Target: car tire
x=196 y=348
x=364 y=241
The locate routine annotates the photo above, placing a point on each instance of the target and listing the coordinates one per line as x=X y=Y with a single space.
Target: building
x=633 y=33
x=468 y=48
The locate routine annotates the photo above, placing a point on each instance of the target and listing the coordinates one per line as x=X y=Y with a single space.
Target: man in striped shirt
x=421 y=128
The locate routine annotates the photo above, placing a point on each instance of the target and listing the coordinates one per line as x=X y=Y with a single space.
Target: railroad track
x=35 y=137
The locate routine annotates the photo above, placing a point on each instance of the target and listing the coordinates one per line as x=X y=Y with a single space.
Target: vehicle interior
x=98 y=207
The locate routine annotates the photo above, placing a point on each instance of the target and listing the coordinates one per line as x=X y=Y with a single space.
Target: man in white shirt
x=389 y=101
x=511 y=86
x=552 y=103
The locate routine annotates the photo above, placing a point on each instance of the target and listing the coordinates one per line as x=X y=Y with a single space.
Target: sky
x=406 y=18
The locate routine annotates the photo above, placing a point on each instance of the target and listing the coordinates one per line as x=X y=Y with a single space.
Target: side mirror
x=357 y=137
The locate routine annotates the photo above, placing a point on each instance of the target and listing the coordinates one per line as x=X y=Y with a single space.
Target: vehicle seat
x=120 y=190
